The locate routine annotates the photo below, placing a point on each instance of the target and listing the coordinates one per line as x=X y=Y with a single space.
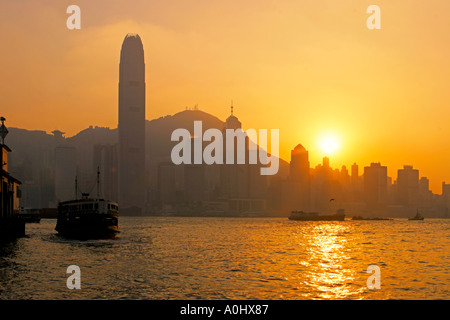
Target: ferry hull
x=88 y=226
x=319 y=218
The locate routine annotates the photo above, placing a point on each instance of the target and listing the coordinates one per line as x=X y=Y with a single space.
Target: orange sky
x=305 y=67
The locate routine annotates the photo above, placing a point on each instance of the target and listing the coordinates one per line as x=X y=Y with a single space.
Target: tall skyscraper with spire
x=132 y=125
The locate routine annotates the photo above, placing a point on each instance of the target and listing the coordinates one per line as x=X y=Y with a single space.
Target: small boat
x=314 y=216
x=30 y=215
x=417 y=216
x=371 y=219
x=88 y=218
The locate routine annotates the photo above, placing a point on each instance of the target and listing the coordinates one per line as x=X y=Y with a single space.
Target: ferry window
x=96 y=206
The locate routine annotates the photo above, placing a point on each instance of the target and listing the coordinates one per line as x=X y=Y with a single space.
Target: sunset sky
x=310 y=68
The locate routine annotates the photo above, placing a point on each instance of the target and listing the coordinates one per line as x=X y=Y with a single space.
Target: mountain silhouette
x=33 y=152
x=159 y=131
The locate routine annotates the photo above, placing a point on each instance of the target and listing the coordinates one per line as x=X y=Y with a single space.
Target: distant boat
x=88 y=218
x=363 y=218
x=417 y=216
x=29 y=215
x=314 y=216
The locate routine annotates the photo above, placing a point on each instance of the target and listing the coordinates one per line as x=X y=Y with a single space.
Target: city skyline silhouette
x=302 y=185
x=307 y=69
x=230 y=187
x=204 y=155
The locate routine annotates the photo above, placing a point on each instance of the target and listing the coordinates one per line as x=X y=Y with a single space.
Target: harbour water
x=233 y=258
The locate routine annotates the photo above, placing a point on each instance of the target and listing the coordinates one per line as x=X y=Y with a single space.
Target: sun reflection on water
x=327 y=251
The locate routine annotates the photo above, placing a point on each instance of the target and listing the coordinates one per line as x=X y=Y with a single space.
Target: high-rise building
x=355 y=183
x=132 y=125
x=194 y=177
x=171 y=186
x=326 y=162
x=105 y=160
x=344 y=177
x=240 y=182
x=375 y=185
x=355 y=174
x=299 y=166
x=408 y=186
x=446 y=189
x=322 y=186
x=446 y=197
x=234 y=176
x=299 y=186
x=425 y=194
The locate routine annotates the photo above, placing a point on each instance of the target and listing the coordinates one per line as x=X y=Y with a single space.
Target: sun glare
x=329 y=144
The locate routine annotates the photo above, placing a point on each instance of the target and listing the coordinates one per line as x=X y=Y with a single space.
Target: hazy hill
x=36 y=148
x=159 y=131
x=32 y=150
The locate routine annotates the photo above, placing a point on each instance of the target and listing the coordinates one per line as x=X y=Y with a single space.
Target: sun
x=329 y=144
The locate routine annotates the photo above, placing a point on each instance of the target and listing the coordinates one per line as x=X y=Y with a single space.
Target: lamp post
x=3 y=133
x=3 y=130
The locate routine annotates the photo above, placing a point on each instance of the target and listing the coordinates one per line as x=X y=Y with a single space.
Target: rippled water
x=233 y=258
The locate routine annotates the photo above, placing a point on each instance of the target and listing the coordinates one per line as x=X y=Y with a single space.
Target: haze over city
x=219 y=152
x=311 y=69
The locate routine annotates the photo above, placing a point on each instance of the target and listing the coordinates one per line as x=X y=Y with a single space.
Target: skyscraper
x=241 y=183
x=299 y=166
x=105 y=159
x=375 y=185
x=425 y=194
x=446 y=198
x=132 y=125
x=300 y=179
x=355 y=183
x=355 y=173
x=408 y=186
x=234 y=177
